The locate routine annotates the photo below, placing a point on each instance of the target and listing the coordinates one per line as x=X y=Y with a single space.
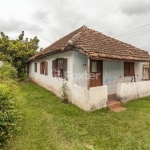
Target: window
x=59 y=67
x=94 y=66
x=128 y=68
x=35 y=67
x=44 y=68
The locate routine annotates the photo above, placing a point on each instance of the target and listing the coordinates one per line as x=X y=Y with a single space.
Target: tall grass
x=49 y=124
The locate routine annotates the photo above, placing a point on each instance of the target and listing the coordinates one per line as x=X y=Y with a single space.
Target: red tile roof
x=96 y=45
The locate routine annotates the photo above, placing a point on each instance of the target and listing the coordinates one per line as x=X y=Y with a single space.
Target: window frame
x=129 y=69
x=44 y=67
x=35 y=67
x=96 y=66
x=59 y=68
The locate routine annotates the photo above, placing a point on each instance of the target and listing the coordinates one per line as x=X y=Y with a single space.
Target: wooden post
x=26 y=69
x=134 y=73
x=88 y=71
x=142 y=71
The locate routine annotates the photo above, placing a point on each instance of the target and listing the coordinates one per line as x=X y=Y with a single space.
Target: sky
x=50 y=20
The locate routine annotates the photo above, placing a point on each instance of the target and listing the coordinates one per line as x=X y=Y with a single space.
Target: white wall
x=48 y=81
x=80 y=63
x=113 y=73
x=134 y=90
x=78 y=94
x=98 y=97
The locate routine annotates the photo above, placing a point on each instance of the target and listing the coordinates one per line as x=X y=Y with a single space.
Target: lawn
x=49 y=124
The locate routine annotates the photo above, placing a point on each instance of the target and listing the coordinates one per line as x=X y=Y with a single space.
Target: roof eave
x=68 y=48
x=120 y=59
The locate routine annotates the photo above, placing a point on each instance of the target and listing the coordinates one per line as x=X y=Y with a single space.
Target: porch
x=133 y=90
x=112 y=72
x=125 y=92
x=123 y=81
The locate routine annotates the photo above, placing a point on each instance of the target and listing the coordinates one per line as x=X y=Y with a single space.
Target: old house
x=93 y=66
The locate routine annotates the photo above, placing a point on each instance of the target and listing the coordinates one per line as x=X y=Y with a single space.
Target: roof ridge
x=81 y=28
x=72 y=40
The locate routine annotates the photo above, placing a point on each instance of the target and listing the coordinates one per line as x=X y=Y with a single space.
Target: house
x=94 y=66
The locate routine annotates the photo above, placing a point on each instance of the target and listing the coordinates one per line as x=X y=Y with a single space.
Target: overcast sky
x=50 y=20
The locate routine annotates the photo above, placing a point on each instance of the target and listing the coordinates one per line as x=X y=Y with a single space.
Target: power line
x=139 y=27
x=134 y=30
x=130 y=32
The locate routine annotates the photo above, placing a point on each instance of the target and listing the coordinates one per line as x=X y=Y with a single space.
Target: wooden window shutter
x=54 y=68
x=41 y=68
x=65 y=69
x=131 y=68
x=126 y=69
x=46 y=67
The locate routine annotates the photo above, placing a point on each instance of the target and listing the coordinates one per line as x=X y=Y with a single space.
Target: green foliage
x=64 y=89
x=9 y=116
x=7 y=71
x=17 y=51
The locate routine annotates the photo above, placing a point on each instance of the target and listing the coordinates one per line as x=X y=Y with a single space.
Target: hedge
x=9 y=115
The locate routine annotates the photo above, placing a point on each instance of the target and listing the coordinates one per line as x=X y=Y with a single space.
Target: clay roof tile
x=95 y=44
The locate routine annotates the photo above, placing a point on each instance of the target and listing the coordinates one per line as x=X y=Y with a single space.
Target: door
x=96 y=73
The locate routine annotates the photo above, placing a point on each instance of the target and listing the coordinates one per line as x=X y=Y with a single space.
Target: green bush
x=9 y=115
x=8 y=71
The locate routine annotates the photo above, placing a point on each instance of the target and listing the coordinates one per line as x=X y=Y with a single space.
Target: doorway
x=96 y=73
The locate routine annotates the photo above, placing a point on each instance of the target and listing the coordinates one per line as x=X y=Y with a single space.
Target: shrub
x=64 y=89
x=8 y=71
x=9 y=116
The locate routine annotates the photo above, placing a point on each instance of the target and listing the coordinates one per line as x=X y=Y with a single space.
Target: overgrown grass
x=49 y=124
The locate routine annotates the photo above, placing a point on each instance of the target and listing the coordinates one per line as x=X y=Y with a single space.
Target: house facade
x=93 y=66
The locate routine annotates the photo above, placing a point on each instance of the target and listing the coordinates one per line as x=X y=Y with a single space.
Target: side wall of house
x=48 y=81
x=76 y=66
x=113 y=73
x=78 y=94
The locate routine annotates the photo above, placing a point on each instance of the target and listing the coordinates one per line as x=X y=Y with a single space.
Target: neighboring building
x=145 y=71
x=115 y=68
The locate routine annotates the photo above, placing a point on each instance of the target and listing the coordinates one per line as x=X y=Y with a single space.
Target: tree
x=17 y=51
